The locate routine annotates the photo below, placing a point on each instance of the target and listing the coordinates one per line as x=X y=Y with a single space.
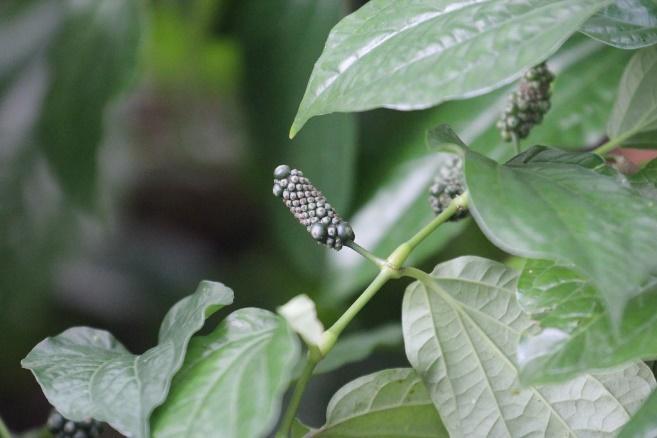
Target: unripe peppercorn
x=448 y=183
x=309 y=207
x=528 y=104
x=61 y=427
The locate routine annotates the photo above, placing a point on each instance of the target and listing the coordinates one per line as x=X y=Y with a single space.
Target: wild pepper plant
x=556 y=348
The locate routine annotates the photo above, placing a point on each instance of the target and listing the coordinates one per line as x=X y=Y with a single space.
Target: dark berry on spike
x=282 y=171
x=448 y=184
x=528 y=104
x=345 y=232
x=308 y=205
x=318 y=231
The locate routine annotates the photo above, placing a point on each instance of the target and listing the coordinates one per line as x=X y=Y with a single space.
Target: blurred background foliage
x=137 y=141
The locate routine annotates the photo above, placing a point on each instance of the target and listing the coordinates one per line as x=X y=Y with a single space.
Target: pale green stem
x=365 y=253
x=613 y=143
x=293 y=406
x=388 y=269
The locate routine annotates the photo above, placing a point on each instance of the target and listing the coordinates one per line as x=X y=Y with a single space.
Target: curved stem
x=388 y=269
x=459 y=203
x=332 y=334
x=365 y=253
x=293 y=406
x=613 y=143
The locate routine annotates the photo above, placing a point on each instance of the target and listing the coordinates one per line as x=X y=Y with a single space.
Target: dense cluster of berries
x=528 y=104
x=448 y=183
x=60 y=427
x=309 y=207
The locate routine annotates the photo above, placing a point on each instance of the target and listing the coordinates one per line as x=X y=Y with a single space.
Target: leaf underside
x=461 y=327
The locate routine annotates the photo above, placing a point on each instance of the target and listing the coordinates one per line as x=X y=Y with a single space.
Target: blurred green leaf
x=635 y=110
x=90 y=59
x=555 y=206
x=233 y=380
x=644 y=422
x=390 y=403
x=627 y=24
x=415 y=54
x=86 y=372
x=461 y=328
x=573 y=331
x=282 y=39
x=358 y=346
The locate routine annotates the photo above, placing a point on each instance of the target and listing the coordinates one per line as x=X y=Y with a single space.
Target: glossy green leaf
x=394 y=193
x=461 y=328
x=573 y=332
x=391 y=403
x=635 y=110
x=358 y=346
x=232 y=381
x=644 y=422
x=627 y=24
x=86 y=372
x=555 y=206
x=282 y=39
x=415 y=54
x=90 y=60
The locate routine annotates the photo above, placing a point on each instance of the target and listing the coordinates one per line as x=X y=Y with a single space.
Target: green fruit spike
x=310 y=208
x=528 y=104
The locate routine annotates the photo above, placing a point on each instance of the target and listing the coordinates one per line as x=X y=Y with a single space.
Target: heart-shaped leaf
x=461 y=328
x=574 y=332
x=233 y=380
x=86 y=372
x=635 y=110
x=413 y=54
x=627 y=24
x=553 y=205
x=388 y=403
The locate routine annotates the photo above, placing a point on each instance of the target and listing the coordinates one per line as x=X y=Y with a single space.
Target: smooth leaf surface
x=390 y=403
x=298 y=429
x=415 y=54
x=635 y=110
x=86 y=372
x=461 y=328
x=627 y=24
x=358 y=346
x=90 y=60
x=394 y=191
x=552 y=206
x=573 y=332
x=644 y=422
x=232 y=381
